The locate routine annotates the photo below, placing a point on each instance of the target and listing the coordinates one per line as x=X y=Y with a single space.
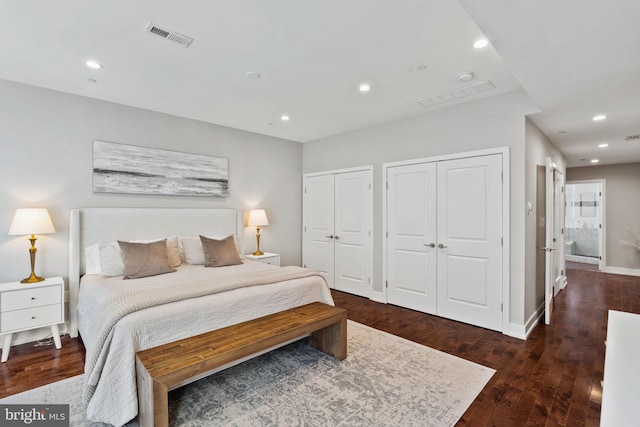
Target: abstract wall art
x=121 y=168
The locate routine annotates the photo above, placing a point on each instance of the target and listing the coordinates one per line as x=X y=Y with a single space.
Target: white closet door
x=352 y=232
x=411 y=224
x=319 y=225
x=469 y=230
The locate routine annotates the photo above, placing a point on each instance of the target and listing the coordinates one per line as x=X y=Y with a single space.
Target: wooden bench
x=169 y=366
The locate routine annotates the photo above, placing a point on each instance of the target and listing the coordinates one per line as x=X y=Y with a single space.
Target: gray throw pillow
x=145 y=259
x=219 y=253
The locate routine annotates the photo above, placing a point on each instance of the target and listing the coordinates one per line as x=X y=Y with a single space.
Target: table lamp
x=31 y=221
x=258 y=218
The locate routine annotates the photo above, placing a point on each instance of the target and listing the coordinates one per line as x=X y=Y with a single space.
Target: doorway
x=583 y=219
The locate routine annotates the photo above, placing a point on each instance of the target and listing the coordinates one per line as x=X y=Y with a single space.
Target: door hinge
x=502 y=241
x=304 y=265
x=369 y=233
x=387 y=235
x=305 y=228
x=501 y=307
x=600 y=225
x=600 y=194
x=386 y=284
x=562 y=231
x=562 y=272
x=305 y=190
x=369 y=279
x=369 y=186
x=562 y=188
x=387 y=184
x=600 y=258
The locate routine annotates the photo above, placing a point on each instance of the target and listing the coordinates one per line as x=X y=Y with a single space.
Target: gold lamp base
x=32 y=255
x=258 y=252
x=32 y=279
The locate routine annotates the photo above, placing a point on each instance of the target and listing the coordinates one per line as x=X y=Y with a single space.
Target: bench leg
x=153 y=400
x=332 y=339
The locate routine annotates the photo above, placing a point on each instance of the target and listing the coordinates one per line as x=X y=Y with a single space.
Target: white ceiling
x=575 y=58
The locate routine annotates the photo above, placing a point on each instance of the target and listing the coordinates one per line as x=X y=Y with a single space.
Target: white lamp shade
x=31 y=221
x=257 y=218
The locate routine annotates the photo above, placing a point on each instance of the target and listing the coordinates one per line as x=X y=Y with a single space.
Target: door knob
x=330 y=236
x=337 y=237
x=441 y=246
x=431 y=245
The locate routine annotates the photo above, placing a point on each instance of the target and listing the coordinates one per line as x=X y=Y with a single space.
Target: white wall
x=491 y=122
x=538 y=148
x=46 y=161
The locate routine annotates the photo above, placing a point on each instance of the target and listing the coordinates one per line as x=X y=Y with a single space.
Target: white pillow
x=191 y=250
x=92 y=259
x=111 y=263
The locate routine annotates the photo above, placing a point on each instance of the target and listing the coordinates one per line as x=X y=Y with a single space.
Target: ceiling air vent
x=457 y=94
x=168 y=34
x=632 y=137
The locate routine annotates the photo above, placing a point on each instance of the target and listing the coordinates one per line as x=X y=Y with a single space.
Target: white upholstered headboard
x=92 y=225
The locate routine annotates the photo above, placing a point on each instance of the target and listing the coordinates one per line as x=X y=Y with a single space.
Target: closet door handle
x=337 y=237
x=431 y=245
x=441 y=246
x=330 y=236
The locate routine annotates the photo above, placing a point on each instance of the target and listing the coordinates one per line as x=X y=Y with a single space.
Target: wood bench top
x=171 y=363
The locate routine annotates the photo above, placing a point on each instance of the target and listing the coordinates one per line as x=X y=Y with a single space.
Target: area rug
x=385 y=381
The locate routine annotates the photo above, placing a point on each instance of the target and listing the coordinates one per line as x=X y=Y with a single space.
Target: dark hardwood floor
x=551 y=379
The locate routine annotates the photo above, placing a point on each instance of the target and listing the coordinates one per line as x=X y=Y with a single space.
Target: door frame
x=603 y=231
x=369 y=254
x=381 y=296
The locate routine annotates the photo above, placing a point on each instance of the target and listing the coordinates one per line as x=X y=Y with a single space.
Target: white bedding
x=115 y=397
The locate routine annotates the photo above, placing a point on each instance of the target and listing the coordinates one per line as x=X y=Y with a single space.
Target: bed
x=178 y=306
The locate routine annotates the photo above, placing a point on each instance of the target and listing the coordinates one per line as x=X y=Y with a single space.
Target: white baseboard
x=621 y=270
x=378 y=297
x=522 y=332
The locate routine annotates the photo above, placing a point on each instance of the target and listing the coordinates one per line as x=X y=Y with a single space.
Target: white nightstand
x=29 y=306
x=267 y=258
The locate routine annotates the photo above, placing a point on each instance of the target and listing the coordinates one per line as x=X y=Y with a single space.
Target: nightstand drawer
x=31 y=318
x=27 y=298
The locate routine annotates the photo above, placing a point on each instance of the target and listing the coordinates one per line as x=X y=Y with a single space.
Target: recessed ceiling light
x=94 y=64
x=479 y=44
x=603 y=145
x=562 y=132
x=421 y=67
x=252 y=75
x=599 y=117
x=365 y=87
x=284 y=118
x=595 y=160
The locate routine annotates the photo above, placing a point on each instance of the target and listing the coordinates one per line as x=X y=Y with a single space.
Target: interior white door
x=550 y=245
x=469 y=241
x=411 y=227
x=554 y=242
x=318 y=249
x=558 y=227
x=352 y=232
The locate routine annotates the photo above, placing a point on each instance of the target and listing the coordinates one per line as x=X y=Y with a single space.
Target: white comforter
x=114 y=397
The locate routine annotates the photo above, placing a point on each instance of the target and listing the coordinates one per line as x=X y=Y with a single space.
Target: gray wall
x=46 y=161
x=538 y=148
x=622 y=210
x=492 y=122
